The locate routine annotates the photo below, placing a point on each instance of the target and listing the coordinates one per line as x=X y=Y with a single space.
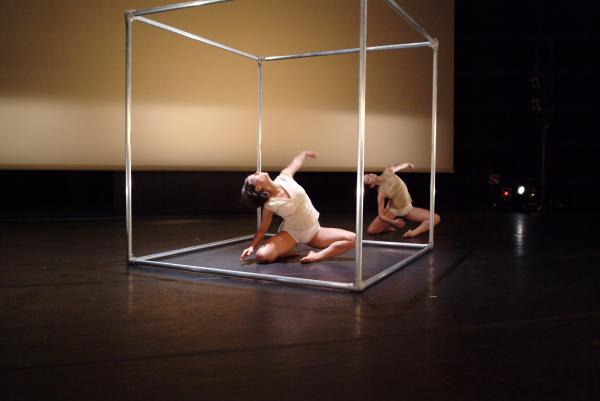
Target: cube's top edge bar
x=348 y=51
x=400 y=11
x=194 y=37
x=172 y=7
x=198 y=3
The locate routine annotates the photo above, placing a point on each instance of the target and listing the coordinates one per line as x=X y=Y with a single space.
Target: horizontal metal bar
x=396 y=244
x=379 y=276
x=195 y=37
x=177 y=6
x=348 y=51
x=193 y=248
x=250 y=275
x=394 y=6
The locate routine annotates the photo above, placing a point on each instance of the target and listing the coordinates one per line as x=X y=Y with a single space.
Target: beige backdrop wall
x=62 y=79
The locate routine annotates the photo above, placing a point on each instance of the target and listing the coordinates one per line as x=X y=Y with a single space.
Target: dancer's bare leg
x=275 y=246
x=331 y=241
x=421 y=216
x=378 y=225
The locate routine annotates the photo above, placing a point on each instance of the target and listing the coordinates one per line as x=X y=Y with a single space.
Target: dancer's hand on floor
x=399 y=223
x=247 y=252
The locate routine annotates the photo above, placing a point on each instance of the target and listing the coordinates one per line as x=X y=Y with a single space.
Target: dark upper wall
x=500 y=46
x=74 y=194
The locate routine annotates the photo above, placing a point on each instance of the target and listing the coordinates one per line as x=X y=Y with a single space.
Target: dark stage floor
x=507 y=307
x=338 y=269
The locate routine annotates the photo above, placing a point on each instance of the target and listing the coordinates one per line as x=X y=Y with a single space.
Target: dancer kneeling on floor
x=285 y=197
x=391 y=187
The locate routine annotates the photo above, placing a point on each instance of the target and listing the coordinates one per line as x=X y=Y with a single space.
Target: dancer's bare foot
x=409 y=234
x=311 y=257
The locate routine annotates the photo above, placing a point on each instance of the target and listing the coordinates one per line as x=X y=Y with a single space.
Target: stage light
x=521 y=190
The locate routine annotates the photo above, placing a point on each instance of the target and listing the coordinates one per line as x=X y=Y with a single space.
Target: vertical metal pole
x=545 y=125
x=360 y=168
x=434 y=46
x=259 y=135
x=128 y=214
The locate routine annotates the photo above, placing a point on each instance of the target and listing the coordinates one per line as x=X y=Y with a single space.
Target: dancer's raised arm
x=296 y=163
x=402 y=166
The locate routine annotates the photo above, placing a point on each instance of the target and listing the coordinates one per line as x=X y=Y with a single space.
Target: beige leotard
x=395 y=190
x=300 y=218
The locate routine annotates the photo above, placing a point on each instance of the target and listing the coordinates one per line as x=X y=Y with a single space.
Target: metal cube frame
x=359 y=284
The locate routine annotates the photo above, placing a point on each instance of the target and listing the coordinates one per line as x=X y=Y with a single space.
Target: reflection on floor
x=505 y=308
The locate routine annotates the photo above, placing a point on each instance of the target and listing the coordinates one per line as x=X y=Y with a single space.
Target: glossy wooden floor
x=506 y=308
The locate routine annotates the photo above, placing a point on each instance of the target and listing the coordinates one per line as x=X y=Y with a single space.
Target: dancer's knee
x=373 y=230
x=265 y=255
x=351 y=239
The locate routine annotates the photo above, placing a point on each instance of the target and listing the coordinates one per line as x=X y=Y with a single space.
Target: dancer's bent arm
x=267 y=217
x=296 y=163
x=381 y=212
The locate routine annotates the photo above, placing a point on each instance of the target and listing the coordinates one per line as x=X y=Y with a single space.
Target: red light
x=506 y=192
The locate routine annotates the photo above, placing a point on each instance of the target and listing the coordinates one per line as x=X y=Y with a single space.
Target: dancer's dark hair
x=253 y=198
